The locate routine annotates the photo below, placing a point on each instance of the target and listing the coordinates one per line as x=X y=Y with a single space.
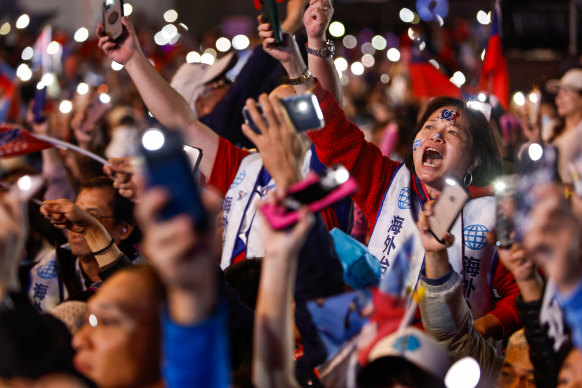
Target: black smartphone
x=194 y=155
x=270 y=14
x=505 y=206
x=167 y=165
x=112 y=14
x=303 y=111
x=447 y=207
x=537 y=166
x=39 y=105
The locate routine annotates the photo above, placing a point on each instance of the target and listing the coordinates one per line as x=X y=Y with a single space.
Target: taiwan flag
x=259 y=3
x=428 y=82
x=494 y=76
x=15 y=141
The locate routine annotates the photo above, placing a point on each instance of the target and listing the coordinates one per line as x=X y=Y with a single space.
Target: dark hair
x=484 y=148
x=244 y=277
x=390 y=370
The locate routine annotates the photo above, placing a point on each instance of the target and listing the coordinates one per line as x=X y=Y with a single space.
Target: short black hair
x=121 y=207
x=484 y=147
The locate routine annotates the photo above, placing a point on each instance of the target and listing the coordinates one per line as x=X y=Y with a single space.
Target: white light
x=422 y=45
x=170 y=31
x=519 y=98
x=483 y=17
x=104 y=98
x=434 y=63
x=393 y=54
x=82 y=88
x=66 y=106
x=81 y=35
x=207 y=58
x=223 y=44
x=240 y=42
x=439 y=20
x=406 y=15
x=342 y=175
x=48 y=79
x=170 y=16
x=350 y=41
x=341 y=64
x=483 y=54
x=92 y=320
x=412 y=34
x=464 y=373
x=193 y=57
x=23 y=72
x=153 y=139
x=183 y=26
x=482 y=97
x=27 y=53
x=384 y=78
x=533 y=97
x=482 y=107
x=302 y=106
x=337 y=29
x=357 y=68
x=367 y=48
x=160 y=38
x=379 y=42
x=5 y=29
x=368 y=60
x=40 y=86
x=116 y=66
x=344 y=80
x=535 y=151
x=127 y=9
x=450 y=182
x=458 y=79
x=24 y=183
x=22 y=21
x=53 y=48
x=499 y=186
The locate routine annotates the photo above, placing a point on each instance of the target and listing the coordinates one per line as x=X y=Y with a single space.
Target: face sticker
x=449 y=115
x=416 y=145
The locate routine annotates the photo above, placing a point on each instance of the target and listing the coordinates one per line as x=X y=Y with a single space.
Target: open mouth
x=431 y=157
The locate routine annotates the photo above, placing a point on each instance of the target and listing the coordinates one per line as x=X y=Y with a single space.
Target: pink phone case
x=279 y=217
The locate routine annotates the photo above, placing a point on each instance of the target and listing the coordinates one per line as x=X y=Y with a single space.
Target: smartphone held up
x=112 y=14
x=447 y=208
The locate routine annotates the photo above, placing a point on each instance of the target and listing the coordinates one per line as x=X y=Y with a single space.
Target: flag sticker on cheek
x=449 y=115
x=416 y=145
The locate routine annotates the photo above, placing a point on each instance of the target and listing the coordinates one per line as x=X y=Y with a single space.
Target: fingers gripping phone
x=271 y=15
x=316 y=190
x=167 y=165
x=303 y=111
x=447 y=208
x=112 y=14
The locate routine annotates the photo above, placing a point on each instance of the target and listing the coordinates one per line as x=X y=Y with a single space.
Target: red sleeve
x=226 y=163
x=505 y=309
x=342 y=142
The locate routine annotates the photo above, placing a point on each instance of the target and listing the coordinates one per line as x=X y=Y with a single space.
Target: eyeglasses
x=97 y=215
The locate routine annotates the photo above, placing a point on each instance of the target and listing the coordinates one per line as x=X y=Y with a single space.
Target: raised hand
x=286 y=52
x=121 y=171
x=317 y=18
x=123 y=51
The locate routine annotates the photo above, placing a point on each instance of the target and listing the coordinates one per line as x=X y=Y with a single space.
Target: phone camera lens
x=113 y=17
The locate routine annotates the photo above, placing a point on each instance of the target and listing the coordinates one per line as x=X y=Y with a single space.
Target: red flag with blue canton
x=427 y=81
x=494 y=75
x=15 y=141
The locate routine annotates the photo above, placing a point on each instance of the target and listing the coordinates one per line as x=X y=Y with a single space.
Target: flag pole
x=65 y=145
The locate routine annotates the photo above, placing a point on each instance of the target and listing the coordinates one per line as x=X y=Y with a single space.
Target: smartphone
x=112 y=14
x=166 y=164
x=447 y=207
x=317 y=191
x=537 y=166
x=270 y=14
x=505 y=205
x=533 y=103
x=39 y=105
x=194 y=155
x=303 y=111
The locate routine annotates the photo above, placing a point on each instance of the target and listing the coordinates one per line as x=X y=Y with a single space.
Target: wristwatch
x=302 y=78
x=326 y=52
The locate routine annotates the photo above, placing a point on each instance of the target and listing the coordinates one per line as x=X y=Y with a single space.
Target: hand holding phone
x=447 y=208
x=112 y=14
x=315 y=191
x=167 y=165
x=505 y=205
x=270 y=14
x=303 y=110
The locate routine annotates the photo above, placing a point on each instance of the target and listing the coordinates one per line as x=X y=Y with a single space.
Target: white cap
x=571 y=79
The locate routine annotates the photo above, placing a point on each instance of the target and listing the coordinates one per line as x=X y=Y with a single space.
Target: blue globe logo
x=475 y=237
x=407 y=342
x=48 y=271
x=239 y=178
x=404 y=199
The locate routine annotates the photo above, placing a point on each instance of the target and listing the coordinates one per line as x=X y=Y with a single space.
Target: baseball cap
x=190 y=78
x=572 y=79
x=416 y=347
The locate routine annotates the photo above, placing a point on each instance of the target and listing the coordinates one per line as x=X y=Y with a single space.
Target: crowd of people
x=98 y=288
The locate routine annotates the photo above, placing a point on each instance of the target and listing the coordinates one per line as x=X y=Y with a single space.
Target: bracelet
x=306 y=76
x=326 y=52
x=104 y=249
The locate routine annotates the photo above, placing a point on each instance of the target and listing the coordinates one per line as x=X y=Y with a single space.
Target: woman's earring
x=468 y=179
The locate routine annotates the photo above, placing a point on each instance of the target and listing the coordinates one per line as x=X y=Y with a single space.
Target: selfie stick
x=65 y=145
